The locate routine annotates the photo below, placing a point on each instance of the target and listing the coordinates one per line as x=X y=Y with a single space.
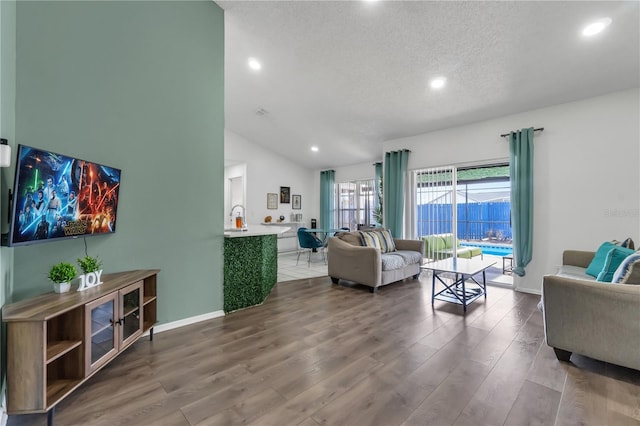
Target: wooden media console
x=55 y=342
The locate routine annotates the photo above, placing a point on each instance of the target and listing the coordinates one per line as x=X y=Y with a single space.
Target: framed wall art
x=272 y=200
x=285 y=195
x=296 y=202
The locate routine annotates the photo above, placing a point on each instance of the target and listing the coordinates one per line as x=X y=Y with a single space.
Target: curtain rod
x=539 y=129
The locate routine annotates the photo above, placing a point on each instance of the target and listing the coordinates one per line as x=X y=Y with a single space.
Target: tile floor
x=288 y=270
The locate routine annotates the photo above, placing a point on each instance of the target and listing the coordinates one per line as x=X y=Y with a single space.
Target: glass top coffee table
x=465 y=288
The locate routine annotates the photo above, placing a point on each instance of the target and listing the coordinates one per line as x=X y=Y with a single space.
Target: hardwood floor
x=320 y=354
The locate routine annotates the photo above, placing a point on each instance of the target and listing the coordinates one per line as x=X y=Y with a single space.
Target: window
x=355 y=203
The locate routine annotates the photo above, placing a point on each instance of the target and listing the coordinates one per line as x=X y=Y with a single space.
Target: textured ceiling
x=346 y=76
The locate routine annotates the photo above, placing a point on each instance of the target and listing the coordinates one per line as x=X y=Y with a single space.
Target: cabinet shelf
x=130 y=310
x=58 y=389
x=148 y=299
x=59 y=348
x=98 y=327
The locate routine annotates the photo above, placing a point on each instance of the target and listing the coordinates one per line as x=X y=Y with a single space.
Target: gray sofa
x=599 y=320
x=349 y=260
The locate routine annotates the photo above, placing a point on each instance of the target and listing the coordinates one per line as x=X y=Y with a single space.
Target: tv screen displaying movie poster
x=56 y=197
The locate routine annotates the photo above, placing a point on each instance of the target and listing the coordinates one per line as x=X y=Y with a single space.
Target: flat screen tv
x=57 y=197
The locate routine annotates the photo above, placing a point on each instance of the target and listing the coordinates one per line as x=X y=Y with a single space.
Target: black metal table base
x=458 y=291
x=50 y=415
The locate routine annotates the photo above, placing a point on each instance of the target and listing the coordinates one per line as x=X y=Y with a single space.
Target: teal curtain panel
x=521 y=170
x=394 y=181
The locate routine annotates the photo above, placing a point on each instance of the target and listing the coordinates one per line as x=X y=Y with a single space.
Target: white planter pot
x=61 y=287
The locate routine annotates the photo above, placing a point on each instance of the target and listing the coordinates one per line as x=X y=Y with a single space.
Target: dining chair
x=308 y=241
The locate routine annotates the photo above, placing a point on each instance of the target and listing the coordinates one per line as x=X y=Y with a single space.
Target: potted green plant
x=89 y=264
x=377 y=210
x=61 y=274
x=92 y=268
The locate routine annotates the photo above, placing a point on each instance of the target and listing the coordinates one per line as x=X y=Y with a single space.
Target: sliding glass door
x=435 y=206
x=465 y=206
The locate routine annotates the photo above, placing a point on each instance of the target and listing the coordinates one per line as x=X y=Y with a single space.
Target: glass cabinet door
x=102 y=331
x=131 y=313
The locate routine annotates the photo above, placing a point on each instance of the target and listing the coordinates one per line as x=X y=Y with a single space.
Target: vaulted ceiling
x=347 y=75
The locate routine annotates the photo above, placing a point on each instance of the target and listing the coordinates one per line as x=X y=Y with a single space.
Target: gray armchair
x=599 y=320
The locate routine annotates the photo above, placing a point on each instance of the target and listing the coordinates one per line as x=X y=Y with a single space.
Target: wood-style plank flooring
x=320 y=354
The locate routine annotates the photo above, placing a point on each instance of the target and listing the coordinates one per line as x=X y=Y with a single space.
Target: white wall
x=230 y=172
x=267 y=172
x=360 y=171
x=586 y=171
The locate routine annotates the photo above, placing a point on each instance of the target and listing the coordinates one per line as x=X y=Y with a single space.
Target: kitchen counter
x=250 y=265
x=255 y=230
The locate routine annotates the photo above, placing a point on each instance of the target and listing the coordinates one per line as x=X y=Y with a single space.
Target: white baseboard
x=529 y=290
x=186 y=321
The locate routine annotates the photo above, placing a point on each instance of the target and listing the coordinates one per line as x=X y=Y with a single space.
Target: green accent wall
x=7 y=131
x=250 y=270
x=136 y=85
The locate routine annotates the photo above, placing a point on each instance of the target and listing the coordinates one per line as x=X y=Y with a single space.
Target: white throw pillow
x=629 y=270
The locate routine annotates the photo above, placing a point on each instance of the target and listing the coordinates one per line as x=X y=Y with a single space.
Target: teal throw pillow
x=597 y=263
x=614 y=258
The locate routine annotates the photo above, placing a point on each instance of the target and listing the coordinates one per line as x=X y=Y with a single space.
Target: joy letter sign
x=90 y=279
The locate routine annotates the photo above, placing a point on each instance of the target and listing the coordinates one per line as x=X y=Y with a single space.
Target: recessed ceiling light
x=438 y=83
x=314 y=148
x=596 y=27
x=254 y=64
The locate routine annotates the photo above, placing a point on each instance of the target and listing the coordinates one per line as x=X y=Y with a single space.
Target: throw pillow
x=434 y=242
x=369 y=239
x=387 y=245
x=614 y=258
x=597 y=263
x=629 y=270
x=628 y=243
x=352 y=238
x=448 y=240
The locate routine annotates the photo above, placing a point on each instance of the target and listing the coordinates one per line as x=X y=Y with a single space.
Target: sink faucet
x=244 y=223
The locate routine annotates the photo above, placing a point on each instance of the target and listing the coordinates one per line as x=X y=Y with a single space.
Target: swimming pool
x=492 y=249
